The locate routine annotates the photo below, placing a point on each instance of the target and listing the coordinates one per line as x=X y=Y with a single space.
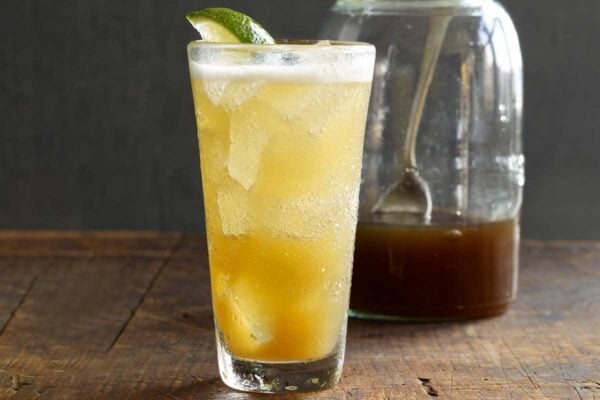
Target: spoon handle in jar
x=431 y=53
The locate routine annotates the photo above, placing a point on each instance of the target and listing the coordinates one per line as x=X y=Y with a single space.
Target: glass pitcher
x=443 y=174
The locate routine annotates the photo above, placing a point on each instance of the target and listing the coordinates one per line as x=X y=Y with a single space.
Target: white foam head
x=302 y=73
x=318 y=65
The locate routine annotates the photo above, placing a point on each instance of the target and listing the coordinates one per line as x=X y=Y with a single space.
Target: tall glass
x=281 y=132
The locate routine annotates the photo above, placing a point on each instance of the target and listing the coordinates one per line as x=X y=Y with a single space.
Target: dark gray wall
x=560 y=41
x=97 y=128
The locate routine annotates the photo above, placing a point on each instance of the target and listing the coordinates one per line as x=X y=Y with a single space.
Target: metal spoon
x=411 y=194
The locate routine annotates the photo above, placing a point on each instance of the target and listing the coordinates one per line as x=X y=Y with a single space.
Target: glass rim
x=341 y=61
x=286 y=44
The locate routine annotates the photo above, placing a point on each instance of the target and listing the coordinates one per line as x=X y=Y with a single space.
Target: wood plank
x=31 y=244
x=16 y=281
x=173 y=333
x=545 y=347
x=80 y=303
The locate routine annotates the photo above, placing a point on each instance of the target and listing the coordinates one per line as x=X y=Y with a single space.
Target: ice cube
x=325 y=106
x=248 y=135
x=289 y=102
x=311 y=107
x=249 y=310
x=215 y=89
x=230 y=94
x=221 y=282
x=304 y=218
x=239 y=93
x=232 y=202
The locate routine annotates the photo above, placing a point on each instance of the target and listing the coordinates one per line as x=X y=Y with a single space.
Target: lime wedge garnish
x=227 y=25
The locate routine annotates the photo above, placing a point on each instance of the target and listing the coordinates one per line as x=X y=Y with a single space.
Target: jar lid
x=398 y=4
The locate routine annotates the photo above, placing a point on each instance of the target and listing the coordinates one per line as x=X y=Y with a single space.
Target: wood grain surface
x=128 y=316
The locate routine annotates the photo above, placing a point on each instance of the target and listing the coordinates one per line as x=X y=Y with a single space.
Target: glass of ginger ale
x=281 y=130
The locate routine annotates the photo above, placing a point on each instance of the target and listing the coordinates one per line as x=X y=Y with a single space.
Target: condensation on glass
x=462 y=262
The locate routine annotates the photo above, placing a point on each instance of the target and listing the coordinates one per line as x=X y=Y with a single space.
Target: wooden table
x=128 y=316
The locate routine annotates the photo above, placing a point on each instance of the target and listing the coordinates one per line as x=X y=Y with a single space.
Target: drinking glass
x=281 y=131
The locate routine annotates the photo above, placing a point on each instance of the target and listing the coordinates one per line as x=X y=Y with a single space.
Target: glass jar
x=448 y=79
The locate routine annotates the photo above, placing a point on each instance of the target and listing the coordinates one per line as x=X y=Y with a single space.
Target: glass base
x=398 y=318
x=482 y=312
x=288 y=377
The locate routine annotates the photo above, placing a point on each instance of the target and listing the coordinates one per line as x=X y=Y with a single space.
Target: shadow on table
x=361 y=329
x=207 y=389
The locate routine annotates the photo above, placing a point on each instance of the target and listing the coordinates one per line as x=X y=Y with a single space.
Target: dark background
x=97 y=125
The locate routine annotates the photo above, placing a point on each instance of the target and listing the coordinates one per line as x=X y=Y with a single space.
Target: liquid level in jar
x=453 y=268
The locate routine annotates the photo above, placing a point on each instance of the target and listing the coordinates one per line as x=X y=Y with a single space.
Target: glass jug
x=443 y=173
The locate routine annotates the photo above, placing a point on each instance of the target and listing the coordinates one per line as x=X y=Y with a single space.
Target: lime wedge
x=227 y=25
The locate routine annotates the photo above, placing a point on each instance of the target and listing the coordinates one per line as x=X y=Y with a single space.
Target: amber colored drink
x=454 y=268
x=281 y=157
